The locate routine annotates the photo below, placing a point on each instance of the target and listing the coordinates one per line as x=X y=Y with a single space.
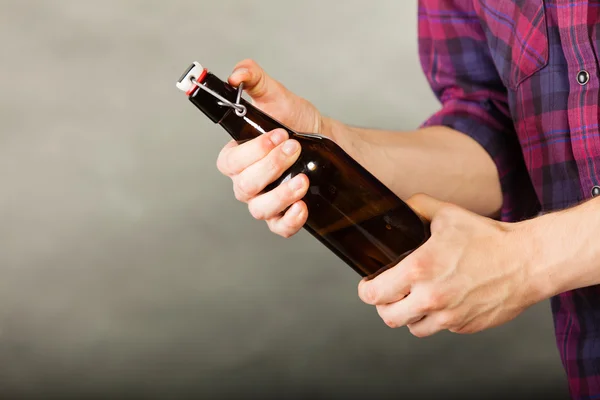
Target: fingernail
x=278 y=136
x=291 y=147
x=295 y=210
x=296 y=183
x=239 y=73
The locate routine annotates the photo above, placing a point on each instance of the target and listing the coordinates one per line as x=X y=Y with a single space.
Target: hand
x=273 y=98
x=472 y=274
x=255 y=164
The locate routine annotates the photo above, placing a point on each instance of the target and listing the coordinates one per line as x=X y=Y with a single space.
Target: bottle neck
x=242 y=129
x=207 y=103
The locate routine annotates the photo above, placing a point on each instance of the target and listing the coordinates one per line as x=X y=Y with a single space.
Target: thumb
x=425 y=205
x=257 y=83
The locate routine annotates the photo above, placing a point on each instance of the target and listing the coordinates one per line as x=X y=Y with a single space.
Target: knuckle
x=390 y=323
x=421 y=264
x=282 y=196
x=238 y=196
x=258 y=83
x=273 y=166
x=241 y=191
x=417 y=332
x=236 y=192
x=433 y=301
x=286 y=232
x=256 y=211
x=447 y=213
x=438 y=225
x=370 y=294
x=245 y=188
x=447 y=320
x=466 y=330
x=290 y=229
x=445 y=219
x=385 y=316
x=272 y=226
x=265 y=145
x=417 y=271
x=276 y=226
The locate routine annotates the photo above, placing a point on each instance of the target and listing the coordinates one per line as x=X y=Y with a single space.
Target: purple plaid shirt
x=521 y=78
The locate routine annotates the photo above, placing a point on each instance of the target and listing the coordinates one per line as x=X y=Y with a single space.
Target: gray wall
x=127 y=268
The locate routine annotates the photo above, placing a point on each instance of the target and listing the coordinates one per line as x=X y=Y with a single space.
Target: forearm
x=565 y=250
x=438 y=161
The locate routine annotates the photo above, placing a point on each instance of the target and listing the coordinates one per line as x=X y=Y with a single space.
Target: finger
x=425 y=205
x=291 y=222
x=257 y=83
x=430 y=325
x=252 y=180
x=234 y=158
x=230 y=145
x=272 y=203
x=403 y=312
x=391 y=285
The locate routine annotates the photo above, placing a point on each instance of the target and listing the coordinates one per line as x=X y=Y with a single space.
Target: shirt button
x=583 y=77
x=596 y=191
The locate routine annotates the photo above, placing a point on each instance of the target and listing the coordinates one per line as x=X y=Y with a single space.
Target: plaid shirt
x=521 y=78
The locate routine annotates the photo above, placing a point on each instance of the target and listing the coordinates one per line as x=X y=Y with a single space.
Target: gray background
x=128 y=269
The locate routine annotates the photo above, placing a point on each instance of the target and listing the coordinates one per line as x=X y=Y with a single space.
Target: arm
x=565 y=249
x=467 y=153
x=436 y=160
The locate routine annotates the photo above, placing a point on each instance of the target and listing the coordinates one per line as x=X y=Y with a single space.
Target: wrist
x=528 y=243
x=540 y=253
x=326 y=126
x=557 y=253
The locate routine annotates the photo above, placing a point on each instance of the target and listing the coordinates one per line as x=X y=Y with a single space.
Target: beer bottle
x=349 y=210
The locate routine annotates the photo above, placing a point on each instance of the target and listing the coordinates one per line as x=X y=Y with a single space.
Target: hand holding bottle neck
x=218 y=99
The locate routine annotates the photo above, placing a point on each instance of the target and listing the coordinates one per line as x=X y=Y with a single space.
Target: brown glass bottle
x=349 y=210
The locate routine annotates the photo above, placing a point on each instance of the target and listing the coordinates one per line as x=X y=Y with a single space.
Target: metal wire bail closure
x=240 y=109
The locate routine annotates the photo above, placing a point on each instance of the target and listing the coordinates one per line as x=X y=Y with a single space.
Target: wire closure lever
x=240 y=109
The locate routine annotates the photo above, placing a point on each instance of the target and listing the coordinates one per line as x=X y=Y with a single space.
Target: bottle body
x=349 y=210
